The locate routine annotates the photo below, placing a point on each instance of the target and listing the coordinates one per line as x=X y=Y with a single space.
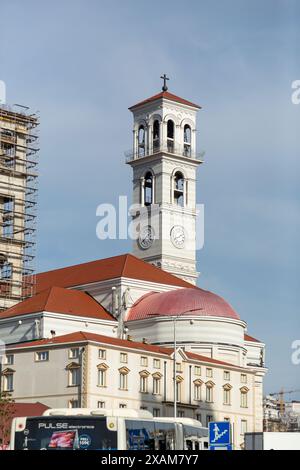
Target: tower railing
x=169 y=148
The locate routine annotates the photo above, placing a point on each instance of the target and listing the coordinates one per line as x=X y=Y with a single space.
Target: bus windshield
x=65 y=433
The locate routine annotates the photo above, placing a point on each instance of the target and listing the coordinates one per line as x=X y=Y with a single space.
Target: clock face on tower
x=146 y=237
x=178 y=236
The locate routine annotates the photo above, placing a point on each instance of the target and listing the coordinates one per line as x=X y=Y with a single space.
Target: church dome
x=185 y=302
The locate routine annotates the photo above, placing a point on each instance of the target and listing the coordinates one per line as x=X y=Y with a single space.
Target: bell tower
x=164 y=162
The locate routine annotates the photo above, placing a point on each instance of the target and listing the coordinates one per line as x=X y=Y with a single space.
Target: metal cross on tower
x=164 y=78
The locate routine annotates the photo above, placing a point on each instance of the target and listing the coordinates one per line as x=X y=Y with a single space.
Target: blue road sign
x=219 y=433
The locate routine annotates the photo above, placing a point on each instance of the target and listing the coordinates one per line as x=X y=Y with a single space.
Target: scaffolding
x=18 y=202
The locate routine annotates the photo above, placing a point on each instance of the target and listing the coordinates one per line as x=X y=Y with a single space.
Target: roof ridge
x=48 y=296
x=165 y=95
x=80 y=264
x=83 y=334
x=126 y=256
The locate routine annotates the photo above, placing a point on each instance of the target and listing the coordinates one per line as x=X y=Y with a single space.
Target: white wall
x=47 y=382
x=39 y=325
x=220 y=338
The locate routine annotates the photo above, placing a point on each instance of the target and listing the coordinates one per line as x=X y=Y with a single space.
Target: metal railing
x=170 y=148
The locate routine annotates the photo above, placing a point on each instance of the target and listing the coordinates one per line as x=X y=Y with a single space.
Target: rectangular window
x=42 y=356
x=244 y=399
x=101 y=353
x=244 y=426
x=122 y=405
x=143 y=384
x=8 y=384
x=209 y=372
x=199 y=417
x=123 y=358
x=156 y=386
x=9 y=359
x=197 y=392
x=226 y=397
x=73 y=404
x=101 y=404
x=156 y=363
x=101 y=378
x=156 y=412
x=197 y=370
x=244 y=378
x=180 y=414
x=8 y=218
x=74 y=377
x=209 y=418
x=73 y=353
x=144 y=361
x=209 y=394
x=123 y=381
x=178 y=367
x=226 y=375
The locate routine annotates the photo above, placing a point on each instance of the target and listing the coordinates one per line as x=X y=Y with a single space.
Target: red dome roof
x=186 y=301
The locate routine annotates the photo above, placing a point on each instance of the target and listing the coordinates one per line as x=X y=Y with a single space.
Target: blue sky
x=82 y=63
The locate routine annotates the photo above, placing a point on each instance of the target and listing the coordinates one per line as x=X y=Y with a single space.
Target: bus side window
x=165 y=436
x=188 y=445
x=140 y=435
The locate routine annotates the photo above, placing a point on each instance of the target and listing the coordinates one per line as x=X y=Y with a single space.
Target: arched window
x=179 y=189
x=170 y=136
x=148 y=189
x=156 y=135
x=141 y=141
x=187 y=137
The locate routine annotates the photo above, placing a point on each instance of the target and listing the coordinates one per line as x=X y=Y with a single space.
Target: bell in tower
x=164 y=162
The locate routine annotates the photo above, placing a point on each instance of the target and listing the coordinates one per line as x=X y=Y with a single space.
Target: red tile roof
x=168 y=96
x=60 y=300
x=81 y=337
x=200 y=357
x=19 y=410
x=29 y=409
x=104 y=269
x=250 y=338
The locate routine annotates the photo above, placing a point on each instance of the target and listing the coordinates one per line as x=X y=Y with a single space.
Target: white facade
x=226 y=382
x=218 y=338
x=169 y=164
x=39 y=325
x=48 y=381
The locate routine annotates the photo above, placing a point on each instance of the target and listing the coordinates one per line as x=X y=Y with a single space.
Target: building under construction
x=18 y=197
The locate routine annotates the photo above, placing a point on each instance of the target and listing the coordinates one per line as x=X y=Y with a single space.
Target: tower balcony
x=170 y=148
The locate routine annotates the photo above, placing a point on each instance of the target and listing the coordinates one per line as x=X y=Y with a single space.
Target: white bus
x=106 y=429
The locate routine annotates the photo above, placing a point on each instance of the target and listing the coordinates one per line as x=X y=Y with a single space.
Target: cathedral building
x=135 y=330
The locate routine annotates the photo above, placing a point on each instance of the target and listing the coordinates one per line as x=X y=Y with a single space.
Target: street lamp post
x=174 y=368
x=174 y=318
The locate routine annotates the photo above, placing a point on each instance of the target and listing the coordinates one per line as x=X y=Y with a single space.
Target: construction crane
x=280 y=396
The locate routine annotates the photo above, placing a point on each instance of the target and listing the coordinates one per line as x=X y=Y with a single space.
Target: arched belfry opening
x=148 y=189
x=156 y=135
x=187 y=140
x=141 y=141
x=170 y=135
x=179 y=186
